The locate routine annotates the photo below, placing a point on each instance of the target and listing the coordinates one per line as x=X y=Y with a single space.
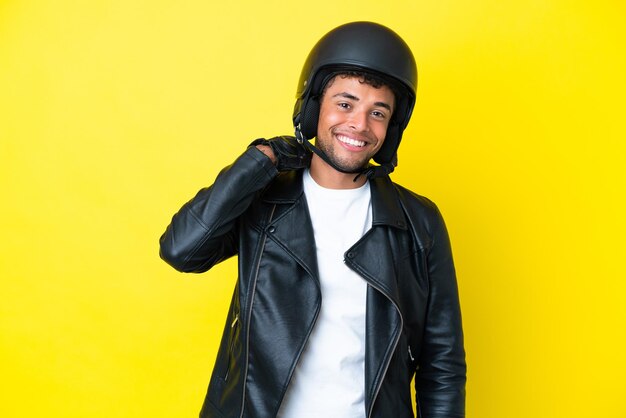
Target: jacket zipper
x=388 y=361
x=249 y=314
x=306 y=340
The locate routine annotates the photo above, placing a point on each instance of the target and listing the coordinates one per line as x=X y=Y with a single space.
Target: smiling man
x=353 y=121
x=346 y=289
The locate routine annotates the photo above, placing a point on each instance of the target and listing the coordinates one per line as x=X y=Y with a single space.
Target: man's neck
x=326 y=176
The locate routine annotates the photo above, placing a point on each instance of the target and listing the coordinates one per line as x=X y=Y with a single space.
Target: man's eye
x=378 y=114
x=344 y=105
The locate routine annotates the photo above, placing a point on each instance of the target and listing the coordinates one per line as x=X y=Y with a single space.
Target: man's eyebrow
x=383 y=104
x=353 y=97
x=347 y=96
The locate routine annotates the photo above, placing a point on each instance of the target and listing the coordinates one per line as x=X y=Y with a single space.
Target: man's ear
x=309 y=117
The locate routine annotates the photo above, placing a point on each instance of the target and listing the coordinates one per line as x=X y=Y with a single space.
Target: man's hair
x=364 y=77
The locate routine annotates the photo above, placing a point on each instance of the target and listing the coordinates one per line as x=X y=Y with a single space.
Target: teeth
x=351 y=141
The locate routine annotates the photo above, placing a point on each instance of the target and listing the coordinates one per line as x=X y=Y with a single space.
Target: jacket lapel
x=291 y=224
x=373 y=259
x=372 y=255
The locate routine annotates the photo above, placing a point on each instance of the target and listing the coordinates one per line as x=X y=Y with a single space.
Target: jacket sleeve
x=204 y=231
x=440 y=379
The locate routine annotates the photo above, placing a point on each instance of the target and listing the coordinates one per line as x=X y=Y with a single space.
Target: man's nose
x=358 y=121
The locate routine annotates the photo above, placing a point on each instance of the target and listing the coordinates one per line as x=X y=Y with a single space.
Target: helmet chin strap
x=370 y=171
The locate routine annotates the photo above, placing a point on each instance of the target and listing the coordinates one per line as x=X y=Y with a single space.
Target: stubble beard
x=350 y=166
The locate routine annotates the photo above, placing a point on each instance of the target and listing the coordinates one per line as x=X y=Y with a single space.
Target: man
x=346 y=287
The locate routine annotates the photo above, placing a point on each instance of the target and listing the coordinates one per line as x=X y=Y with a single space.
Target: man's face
x=353 y=121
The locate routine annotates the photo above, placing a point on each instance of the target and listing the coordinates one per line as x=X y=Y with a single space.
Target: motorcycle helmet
x=364 y=47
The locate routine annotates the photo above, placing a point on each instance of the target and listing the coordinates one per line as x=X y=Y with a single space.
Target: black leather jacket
x=413 y=320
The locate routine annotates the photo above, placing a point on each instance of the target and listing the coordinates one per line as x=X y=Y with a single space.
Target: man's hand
x=285 y=152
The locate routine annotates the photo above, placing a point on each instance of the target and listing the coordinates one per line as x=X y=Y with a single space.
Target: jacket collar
x=386 y=209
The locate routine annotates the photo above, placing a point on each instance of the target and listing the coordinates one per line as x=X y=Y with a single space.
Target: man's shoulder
x=286 y=187
x=421 y=212
x=414 y=202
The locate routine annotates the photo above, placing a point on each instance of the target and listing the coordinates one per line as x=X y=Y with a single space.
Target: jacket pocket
x=232 y=337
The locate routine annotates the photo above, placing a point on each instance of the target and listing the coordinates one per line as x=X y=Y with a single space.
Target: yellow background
x=113 y=113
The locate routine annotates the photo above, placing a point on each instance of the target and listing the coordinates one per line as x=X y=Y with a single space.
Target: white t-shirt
x=329 y=379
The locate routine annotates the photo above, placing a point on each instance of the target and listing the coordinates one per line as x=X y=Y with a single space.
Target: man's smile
x=351 y=141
